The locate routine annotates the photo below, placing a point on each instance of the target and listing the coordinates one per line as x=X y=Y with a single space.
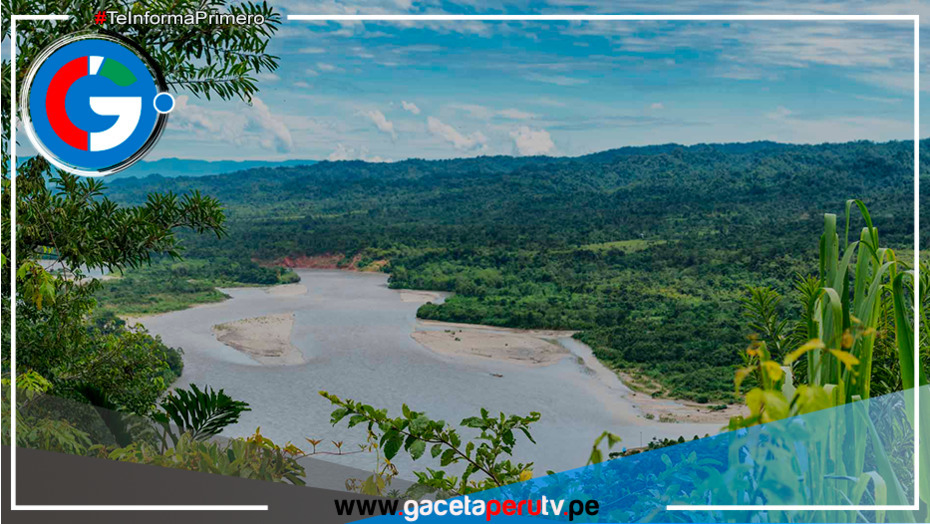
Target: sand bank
x=673 y=411
x=410 y=295
x=663 y=409
x=527 y=347
x=266 y=339
x=540 y=348
x=285 y=290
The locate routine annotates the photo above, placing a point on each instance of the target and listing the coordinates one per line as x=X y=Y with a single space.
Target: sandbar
x=266 y=339
x=526 y=347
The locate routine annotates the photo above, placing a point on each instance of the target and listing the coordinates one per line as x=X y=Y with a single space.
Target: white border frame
x=488 y=18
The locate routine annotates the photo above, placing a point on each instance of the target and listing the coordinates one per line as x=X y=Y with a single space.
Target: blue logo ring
x=94 y=103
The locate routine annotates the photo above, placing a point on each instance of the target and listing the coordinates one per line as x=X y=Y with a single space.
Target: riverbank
x=165 y=286
x=265 y=339
x=533 y=348
x=469 y=341
x=647 y=396
x=356 y=332
x=286 y=290
x=666 y=410
x=330 y=261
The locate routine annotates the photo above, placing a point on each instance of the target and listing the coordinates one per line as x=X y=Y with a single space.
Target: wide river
x=355 y=335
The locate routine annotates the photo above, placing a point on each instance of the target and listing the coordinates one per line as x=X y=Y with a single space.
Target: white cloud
x=328 y=68
x=381 y=122
x=486 y=113
x=261 y=117
x=842 y=129
x=559 y=80
x=474 y=110
x=532 y=141
x=457 y=139
x=898 y=81
x=311 y=51
x=268 y=77
x=753 y=50
x=799 y=128
x=546 y=101
x=780 y=113
x=410 y=106
x=657 y=106
x=515 y=114
x=734 y=71
x=880 y=99
x=344 y=152
x=302 y=85
x=244 y=126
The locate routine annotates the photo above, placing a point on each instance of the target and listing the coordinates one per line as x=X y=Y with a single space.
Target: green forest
x=646 y=251
x=169 y=285
x=771 y=274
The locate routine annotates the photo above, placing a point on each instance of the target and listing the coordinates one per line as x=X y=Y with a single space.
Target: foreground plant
x=831 y=361
x=828 y=362
x=414 y=432
x=200 y=414
x=255 y=457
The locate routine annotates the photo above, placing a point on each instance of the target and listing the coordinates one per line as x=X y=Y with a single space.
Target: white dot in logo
x=163 y=102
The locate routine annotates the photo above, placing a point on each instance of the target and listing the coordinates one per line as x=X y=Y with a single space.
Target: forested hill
x=617 y=194
x=646 y=249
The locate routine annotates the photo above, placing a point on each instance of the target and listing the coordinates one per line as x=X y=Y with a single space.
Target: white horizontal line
x=40 y=17
x=569 y=17
x=133 y=507
x=401 y=18
x=792 y=507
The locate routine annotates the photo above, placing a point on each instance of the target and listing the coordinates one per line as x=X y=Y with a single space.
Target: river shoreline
x=269 y=343
x=356 y=335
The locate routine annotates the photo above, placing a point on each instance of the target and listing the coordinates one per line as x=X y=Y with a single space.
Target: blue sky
x=389 y=91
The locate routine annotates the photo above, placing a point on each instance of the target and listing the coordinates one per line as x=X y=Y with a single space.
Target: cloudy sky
x=389 y=91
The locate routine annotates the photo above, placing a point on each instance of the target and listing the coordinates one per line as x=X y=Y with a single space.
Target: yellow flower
x=848 y=340
x=526 y=474
x=773 y=370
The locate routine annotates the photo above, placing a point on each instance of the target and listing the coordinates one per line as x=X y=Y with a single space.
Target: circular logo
x=94 y=104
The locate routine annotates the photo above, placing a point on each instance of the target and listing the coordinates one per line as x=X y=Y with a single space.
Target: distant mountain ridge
x=506 y=200
x=177 y=167
x=173 y=167
x=186 y=167
x=608 y=169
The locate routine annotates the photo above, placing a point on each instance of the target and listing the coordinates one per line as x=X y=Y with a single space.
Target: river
x=355 y=335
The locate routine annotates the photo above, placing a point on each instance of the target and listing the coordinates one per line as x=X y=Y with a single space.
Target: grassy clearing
x=627 y=246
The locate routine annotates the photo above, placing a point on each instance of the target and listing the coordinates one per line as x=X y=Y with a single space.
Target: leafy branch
x=414 y=431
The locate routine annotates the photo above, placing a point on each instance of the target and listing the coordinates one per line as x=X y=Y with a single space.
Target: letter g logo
x=93 y=104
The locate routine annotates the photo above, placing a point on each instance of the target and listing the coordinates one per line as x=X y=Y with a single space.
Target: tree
x=66 y=226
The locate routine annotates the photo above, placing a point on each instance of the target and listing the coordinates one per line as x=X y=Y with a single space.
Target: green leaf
x=338 y=415
x=393 y=445
x=417 y=449
x=356 y=420
x=419 y=424
x=473 y=422
x=447 y=457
